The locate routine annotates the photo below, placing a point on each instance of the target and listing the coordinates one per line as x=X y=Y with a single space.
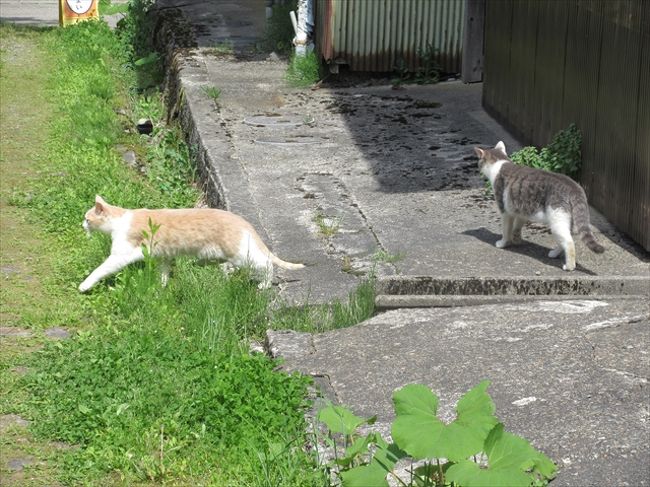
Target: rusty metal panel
x=380 y=35
x=550 y=63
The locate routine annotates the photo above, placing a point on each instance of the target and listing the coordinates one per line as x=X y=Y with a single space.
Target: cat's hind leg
x=507 y=221
x=516 y=230
x=560 y=223
x=110 y=266
x=555 y=253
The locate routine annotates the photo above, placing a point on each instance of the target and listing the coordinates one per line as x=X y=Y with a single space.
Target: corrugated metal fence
x=549 y=63
x=378 y=35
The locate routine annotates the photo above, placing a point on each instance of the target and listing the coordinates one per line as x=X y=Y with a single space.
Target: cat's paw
x=84 y=286
x=553 y=254
x=569 y=267
x=516 y=240
x=500 y=244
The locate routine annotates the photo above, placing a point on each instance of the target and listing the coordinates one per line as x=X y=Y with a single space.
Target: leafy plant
x=444 y=450
x=562 y=155
x=212 y=92
x=278 y=34
x=386 y=257
x=304 y=70
x=221 y=49
x=327 y=226
x=428 y=71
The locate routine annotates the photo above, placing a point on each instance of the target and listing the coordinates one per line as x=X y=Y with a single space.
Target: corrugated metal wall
x=549 y=63
x=376 y=35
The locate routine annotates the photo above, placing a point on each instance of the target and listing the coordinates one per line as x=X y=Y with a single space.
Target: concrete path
x=40 y=13
x=348 y=178
x=30 y=12
x=354 y=178
x=570 y=376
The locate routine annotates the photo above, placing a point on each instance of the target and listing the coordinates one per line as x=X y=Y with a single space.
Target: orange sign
x=73 y=11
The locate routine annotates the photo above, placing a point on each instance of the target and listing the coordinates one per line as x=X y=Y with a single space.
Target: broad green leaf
x=422 y=435
x=339 y=419
x=358 y=447
x=469 y=474
x=374 y=474
x=429 y=474
x=510 y=460
x=505 y=448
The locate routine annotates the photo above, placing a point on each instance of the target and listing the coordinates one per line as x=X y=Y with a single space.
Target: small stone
x=129 y=158
x=9 y=269
x=538 y=273
x=20 y=370
x=57 y=333
x=273 y=57
x=17 y=464
x=144 y=126
x=13 y=331
x=8 y=420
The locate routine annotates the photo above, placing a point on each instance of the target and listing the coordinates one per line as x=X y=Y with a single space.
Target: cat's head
x=487 y=157
x=100 y=216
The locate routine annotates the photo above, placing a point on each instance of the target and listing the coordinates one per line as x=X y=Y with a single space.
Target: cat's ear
x=501 y=146
x=100 y=205
x=479 y=152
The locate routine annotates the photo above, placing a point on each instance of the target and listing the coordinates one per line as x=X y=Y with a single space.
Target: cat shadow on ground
x=528 y=248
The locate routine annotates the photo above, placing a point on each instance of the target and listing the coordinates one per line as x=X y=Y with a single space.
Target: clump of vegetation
x=386 y=257
x=474 y=450
x=428 y=71
x=328 y=226
x=278 y=35
x=221 y=49
x=212 y=91
x=304 y=70
x=107 y=7
x=562 y=155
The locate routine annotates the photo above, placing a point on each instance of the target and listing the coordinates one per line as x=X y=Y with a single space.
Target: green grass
x=212 y=91
x=106 y=7
x=328 y=226
x=158 y=384
x=304 y=70
x=278 y=34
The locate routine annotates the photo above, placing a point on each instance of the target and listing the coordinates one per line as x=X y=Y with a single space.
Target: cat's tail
x=583 y=228
x=284 y=264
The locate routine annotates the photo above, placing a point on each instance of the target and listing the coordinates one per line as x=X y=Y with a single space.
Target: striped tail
x=590 y=241
x=581 y=226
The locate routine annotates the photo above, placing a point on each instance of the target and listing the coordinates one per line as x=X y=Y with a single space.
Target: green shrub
x=447 y=453
x=278 y=34
x=304 y=70
x=562 y=155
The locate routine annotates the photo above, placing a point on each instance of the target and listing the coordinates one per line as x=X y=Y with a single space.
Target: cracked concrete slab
x=395 y=168
x=570 y=376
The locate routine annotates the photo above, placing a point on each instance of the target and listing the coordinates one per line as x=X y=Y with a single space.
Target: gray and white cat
x=523 y=193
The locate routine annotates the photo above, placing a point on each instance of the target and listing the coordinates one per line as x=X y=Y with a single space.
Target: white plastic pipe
x=303 y=25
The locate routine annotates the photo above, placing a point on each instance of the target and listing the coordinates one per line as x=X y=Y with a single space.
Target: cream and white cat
x=205 y=233
x=523 y=193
